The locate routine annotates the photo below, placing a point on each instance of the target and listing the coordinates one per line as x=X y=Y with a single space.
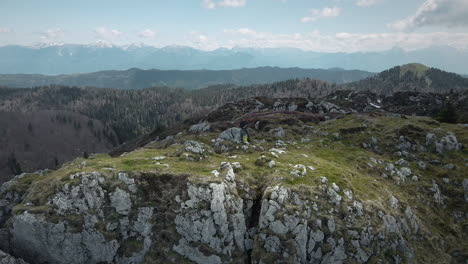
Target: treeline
x=131 y=113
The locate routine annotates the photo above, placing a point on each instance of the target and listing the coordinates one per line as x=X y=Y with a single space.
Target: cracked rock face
x=212 y=222
x=35 y=239
x=212 y=216
x=233 y=134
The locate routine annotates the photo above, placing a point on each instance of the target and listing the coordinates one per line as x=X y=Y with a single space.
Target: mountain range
x=191 y=79
x=71 y=58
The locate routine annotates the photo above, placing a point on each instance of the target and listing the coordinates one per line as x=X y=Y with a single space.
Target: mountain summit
x=413 y=77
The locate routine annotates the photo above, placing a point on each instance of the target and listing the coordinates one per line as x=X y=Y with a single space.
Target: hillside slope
x=411 y=78
x=195 y=79
x=46 y=139
x=318 y=183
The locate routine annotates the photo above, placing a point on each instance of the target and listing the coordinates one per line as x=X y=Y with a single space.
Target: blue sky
x=319 y=25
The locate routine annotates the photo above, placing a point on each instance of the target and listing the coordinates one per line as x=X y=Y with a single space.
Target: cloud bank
x=316 y=14
x=211 y=4
x=445 y=13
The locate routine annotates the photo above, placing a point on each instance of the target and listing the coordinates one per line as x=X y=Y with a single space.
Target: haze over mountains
x=191 y=79
x=72 y=59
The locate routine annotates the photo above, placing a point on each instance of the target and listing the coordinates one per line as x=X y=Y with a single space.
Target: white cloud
x=103 y=33
x=233 y=3
x=315 y=14
x=211 y=4
x=368 y=2
x=447 y=13
x=4 y=30
x=147 y=33
x=202 y=38
x=52 y=34
x=342 y=42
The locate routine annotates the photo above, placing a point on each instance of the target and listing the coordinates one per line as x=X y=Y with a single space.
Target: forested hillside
x=135 y=112
x=46 y=139
x=411 y=77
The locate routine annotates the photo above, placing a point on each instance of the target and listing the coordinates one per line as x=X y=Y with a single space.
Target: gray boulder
x=233 y=134
x=194 y=147
x=448 y=142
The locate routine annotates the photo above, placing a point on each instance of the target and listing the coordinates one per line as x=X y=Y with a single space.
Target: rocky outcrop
x=233 y=134
x=221 y=227
x=98 y=219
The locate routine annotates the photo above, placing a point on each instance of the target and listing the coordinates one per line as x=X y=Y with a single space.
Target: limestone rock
x=448 y=142
x=121 y=201
x=194 y=147
x=42 y=242
x=7 y=259
x=233 y=134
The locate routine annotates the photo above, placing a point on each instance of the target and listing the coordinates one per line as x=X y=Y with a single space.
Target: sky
x=316 y=25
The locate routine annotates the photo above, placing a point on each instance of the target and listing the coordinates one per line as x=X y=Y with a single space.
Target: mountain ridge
x=73 y=58
x=135 y=78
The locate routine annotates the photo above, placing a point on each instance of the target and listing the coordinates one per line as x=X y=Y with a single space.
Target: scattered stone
x=228 y=170
x=215 y=173
x=334 y=197
x=335 y=187
x=236 y=166
x=393 y=202
x=415 y=178
x=402 y=162
x=430 y=138
x=449 y=166
x=436 y=193
x=422 y=165
x=448 y=142
x=323 y=179
x=406 y=172
x=262 y=160
x=194 y=147
x=278 y=132
x=299 y=170
x=278 y=151
x=390 y=167
x=348 y=193
x=158 y=158
x=446 y=180
x=271 y=164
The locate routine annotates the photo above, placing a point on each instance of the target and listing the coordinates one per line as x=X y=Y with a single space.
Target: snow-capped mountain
x=60 y=58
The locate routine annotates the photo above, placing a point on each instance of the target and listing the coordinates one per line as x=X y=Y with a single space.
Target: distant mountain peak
x=50 y=44
x=102 y=44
